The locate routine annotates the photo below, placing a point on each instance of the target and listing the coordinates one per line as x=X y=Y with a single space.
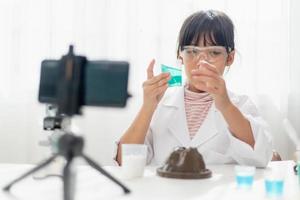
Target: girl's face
x=194 y=56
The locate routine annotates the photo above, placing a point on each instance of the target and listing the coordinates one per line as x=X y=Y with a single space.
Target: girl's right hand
x=154 y=87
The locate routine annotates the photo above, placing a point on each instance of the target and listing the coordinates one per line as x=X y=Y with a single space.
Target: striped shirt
x=197 y=106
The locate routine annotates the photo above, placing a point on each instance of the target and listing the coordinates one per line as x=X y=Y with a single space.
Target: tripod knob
x=70 y=145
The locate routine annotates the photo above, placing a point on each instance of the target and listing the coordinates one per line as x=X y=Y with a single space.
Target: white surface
x=91 y=185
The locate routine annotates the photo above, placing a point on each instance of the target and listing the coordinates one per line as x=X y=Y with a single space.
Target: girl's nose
x=202 y=57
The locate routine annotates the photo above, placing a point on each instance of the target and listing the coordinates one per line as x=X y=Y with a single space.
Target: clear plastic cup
x=244 y=176
x=134 y=158
x=176 y=75
x=274 y=182
x=274 y=187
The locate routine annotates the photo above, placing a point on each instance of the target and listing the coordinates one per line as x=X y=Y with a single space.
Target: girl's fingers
x=162 y=82
x=207 y=84
x=159 y=84
x=150 y=69
x=209 y=66
x=207 y=79
x=158 y=78
x=161 y=89
x=203 y=71
x=151 y=79
x=203 y=87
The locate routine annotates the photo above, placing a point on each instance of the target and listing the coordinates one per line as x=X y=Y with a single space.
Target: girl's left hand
x=207 y=78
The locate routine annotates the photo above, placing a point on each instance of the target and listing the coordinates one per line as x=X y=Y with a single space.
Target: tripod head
x=70 y=146
x=54 y=121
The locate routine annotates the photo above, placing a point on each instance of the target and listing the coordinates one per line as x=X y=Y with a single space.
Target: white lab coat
x=168 y=130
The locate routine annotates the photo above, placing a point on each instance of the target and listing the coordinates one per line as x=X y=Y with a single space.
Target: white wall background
x=294 y=103
x=32 y=30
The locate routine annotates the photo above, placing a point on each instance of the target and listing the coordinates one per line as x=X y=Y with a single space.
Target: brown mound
x=184 y=164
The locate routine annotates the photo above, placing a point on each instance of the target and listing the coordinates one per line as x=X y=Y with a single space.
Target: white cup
x=244 y=176
x=134 y=158
x=274 y=180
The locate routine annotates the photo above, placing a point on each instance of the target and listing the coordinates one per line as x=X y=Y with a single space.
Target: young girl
x=224 y=127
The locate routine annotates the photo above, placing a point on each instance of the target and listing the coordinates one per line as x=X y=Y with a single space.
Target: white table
x=92 y=185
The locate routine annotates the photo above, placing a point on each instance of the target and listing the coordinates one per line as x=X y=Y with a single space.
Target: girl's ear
x=230 y=58
x=179 y=60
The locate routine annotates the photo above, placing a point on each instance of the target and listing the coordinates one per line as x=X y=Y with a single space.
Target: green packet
x=176 y=75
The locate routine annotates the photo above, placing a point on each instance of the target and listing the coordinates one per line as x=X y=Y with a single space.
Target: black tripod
x=69 y=146
x=68 y=91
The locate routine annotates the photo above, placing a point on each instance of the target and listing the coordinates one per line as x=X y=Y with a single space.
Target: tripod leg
x=101 y=170
x=67 y=182
x=41 y=165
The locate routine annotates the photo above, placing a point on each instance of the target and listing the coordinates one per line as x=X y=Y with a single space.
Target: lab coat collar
x=178 y=125
x=174 y=97
x=174 y=101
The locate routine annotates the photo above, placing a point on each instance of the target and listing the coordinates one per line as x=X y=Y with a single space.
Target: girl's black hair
x=214 y=27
